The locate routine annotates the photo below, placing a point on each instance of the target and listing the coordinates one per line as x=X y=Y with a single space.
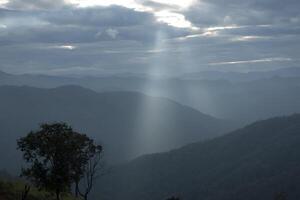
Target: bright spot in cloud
x=179 y=3
x=219 y=28
x=2 y=2
x=113 y=33
x=249 y=38
x=200 y=35
x=3 y=26
x=173 y=19
x=66 y=47
x=276 y=59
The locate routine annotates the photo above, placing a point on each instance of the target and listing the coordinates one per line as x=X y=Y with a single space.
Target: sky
x=159 y=37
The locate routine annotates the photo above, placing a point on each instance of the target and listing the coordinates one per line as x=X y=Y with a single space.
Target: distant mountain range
x=244 y=101
x=52 y=81
x=255 y=162
x=128 y=124
x=247 y=76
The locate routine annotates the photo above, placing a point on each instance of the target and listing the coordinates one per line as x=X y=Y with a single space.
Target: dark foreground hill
x=12 y=190
x=255 y=162
x=128 y=124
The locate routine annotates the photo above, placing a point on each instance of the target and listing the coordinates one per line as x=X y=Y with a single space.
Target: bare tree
x=93 y=169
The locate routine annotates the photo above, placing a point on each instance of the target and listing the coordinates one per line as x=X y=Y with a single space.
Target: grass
x=13 y=191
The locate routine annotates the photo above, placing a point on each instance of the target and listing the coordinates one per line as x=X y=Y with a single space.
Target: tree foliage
x=57 y=156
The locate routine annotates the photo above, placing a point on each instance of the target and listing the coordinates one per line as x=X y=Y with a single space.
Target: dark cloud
x=35 y=36
x=81 y=25
x=99 y=16
x=35 y=4
x=247 y=12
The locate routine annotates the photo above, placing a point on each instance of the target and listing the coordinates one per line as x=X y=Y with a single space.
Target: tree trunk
x=76 y=189
x=25 y=192
x=57 y=194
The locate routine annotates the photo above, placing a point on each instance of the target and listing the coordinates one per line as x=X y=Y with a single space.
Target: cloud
x=98 y=16
x=113 y=33
x=264 y=60
x=81 y=25
x=55 y=36
x=248 y=12
x=66 y=47
x=248 y=38
x=35 y=4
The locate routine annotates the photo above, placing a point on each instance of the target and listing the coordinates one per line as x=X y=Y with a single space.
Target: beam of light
x=150 y=126
x=264 y=60
x=150 y=114
x=193 y=94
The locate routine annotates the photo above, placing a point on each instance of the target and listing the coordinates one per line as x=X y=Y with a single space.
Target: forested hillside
x=255 y=162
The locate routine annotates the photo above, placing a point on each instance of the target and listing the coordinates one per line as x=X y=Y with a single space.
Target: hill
x=288 y=72
x=128 y=124
x=255 y=162
x=270 y=94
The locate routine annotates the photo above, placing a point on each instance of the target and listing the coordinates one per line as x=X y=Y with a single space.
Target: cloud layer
x=55 y=37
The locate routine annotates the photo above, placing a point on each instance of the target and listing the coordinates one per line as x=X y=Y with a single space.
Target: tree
x=91 y=170
x=56 y=157
x=84 y=151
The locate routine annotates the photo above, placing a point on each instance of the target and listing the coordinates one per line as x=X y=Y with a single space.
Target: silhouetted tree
x=85 y=150
x=57 y=157
x=91 y=171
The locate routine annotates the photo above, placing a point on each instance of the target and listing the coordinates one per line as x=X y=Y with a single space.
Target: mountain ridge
x=254 y=162
x=238 y=101
x=130 y=121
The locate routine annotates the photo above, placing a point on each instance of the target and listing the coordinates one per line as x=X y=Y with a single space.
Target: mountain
x=42 y=81
x=47 y=81
x=255 y=162
x=245 y=101
x=290 y=72
x=128 y=124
